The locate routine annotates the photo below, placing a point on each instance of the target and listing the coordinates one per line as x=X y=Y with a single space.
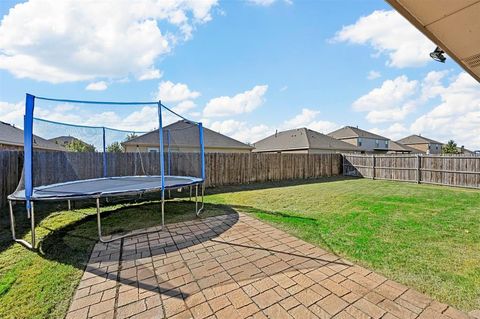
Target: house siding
x=424 y=148
x=7 y=147
x=368 y=144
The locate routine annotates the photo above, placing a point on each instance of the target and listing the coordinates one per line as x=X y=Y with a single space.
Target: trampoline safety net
x=84 y=148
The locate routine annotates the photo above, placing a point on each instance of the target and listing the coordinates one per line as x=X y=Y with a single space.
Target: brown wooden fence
x=221 y=168
x=461 y=171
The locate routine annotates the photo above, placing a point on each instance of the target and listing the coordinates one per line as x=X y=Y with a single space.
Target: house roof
x=399 y=147
x=299 y=139
x=182 y=133
x=11 y=135
x=465 y=150
x=417 y=139
x=449 y=24
x=353 y=132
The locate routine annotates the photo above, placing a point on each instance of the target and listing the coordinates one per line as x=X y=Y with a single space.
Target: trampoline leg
x=69 y=205
x=203 y=203
x=190 y=198
x=32 y=221
x=196 y=199
x=99 y=222
x=12 y=226
x=163 y=208
x=99 y=225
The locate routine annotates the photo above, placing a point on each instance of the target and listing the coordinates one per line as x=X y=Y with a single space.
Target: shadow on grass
x=275 y=184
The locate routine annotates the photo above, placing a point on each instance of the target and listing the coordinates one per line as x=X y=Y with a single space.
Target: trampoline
x=105 y=187
x=94 y=162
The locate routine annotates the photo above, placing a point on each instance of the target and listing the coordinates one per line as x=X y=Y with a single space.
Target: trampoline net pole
x=162 y=160
x=28 y=149
x=104 y=153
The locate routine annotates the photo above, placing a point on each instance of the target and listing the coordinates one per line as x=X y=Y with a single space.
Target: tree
x=450 y=148
x=130 y=136
x=77 y=145
x=115 y=147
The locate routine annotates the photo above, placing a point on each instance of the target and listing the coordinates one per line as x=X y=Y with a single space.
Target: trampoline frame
x=28 y=151
x=199 y=207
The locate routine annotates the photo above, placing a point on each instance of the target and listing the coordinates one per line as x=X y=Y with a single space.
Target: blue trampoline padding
x=105 y=187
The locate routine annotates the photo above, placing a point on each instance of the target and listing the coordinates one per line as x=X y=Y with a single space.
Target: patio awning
x=453 y=25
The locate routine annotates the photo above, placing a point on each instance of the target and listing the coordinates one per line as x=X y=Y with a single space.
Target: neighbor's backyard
x=426 y=237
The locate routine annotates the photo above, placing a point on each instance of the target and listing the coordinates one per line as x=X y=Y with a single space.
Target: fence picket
x=461 y=171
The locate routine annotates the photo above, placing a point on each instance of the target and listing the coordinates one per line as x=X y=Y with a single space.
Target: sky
x=243 y=68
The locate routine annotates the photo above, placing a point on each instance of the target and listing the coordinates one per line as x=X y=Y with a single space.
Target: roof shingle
x=182 y=133
x=11 y=135
x=417 y=139
x=299 y=139
x=354 y=132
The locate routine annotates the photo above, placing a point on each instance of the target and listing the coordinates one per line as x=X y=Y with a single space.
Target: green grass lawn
x=426 y=237
x=41 y=284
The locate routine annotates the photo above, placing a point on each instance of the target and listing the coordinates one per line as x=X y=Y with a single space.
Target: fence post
x=281 y=165
x=418 y=168
x=373 y=166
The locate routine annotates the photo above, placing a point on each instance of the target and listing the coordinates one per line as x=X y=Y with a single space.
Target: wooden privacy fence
x=221 y=168
x=461 y=171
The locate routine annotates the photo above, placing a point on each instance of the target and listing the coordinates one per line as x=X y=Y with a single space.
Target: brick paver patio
x=235 y=266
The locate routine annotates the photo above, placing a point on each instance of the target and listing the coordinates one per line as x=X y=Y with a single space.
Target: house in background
x=399 y=148
x=184 y=137
x=11 y=138
x=465 y=151
x=364 y=140
x=63 y=140
x=422 y=144
x=302 y=141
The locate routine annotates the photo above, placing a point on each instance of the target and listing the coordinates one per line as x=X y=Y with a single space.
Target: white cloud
x=184 y=106
x=97 y=86
x=389 y=33
x=457 y=116
x=175 y=92
x=432 y=84
x=239 y=130
x=12 y=113
x=372 y=75
x=151 y=74
x=248 y=133
x=394 y=132
x=309 y=118
x=390 y=102
x=241 y=103
x=284 y=88
x=267 y=3
x=302 y=119
x=62 y=41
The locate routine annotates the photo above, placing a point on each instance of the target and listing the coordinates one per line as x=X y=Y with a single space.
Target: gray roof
x=11 y=135
x=354 y=132
x=183 y=133
x=399 y=147
x=299 y=139
x=417 y=139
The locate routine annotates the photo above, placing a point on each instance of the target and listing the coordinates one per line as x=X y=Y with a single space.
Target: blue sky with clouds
x=244 y=68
